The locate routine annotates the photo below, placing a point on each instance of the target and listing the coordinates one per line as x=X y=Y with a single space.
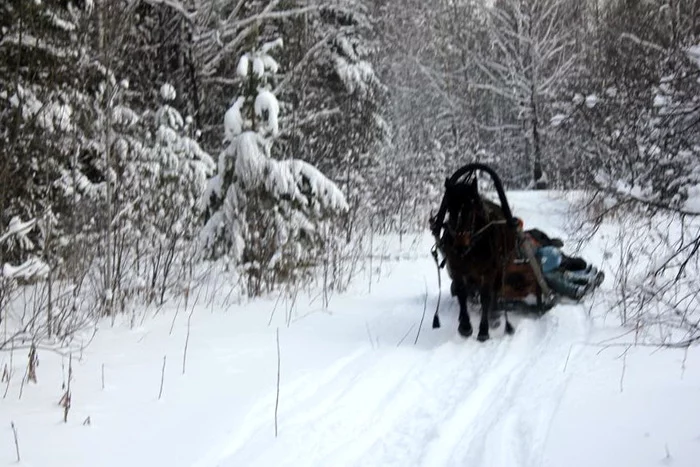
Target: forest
x=148 y=144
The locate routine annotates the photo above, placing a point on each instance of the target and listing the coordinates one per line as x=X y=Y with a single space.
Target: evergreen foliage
x=273 y=218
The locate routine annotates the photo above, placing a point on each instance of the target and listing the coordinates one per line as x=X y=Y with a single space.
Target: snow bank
x=354 y=388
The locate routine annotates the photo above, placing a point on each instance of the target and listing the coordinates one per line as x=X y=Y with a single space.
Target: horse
x=479 y=242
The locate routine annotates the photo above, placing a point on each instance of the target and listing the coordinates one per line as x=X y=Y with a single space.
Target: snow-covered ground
x=356 y=390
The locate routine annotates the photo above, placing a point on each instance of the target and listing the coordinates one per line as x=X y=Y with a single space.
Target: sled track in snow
x=460 y=403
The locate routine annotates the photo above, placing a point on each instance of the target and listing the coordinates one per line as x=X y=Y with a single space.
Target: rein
x=475 y=235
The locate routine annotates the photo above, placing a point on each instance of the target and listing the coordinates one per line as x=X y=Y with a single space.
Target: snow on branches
x=16 y=236
x=270 y=217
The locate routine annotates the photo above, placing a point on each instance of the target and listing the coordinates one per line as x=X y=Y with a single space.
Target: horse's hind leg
x=465 y=325
x=487 y=303
x=509 y=327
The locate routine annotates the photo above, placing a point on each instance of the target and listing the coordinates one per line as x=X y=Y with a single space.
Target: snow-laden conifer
x=269 y=216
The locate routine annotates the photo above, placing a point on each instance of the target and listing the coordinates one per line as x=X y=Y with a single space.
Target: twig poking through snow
x=172 y=323
x=162 y=378
x=14 y=433
x=624 y=367
x=425 y=306
x=103 y=376
x=7 y=373
x=685 y=359
x=272 y=314
x=292 y=306
x=33 y=363
x=65 y=401
x=566 y=363
x=406 y=335
x=24 y=380
x=187 y=337
x=369 y=335
x=277 y=396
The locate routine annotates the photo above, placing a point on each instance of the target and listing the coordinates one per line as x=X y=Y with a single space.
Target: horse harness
x=437 y=224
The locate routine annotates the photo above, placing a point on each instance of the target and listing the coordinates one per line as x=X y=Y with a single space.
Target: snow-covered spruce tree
x=184 y=170
x=162 y=173
x=270 y=217
x=335 y=98
x=41 y=101
x=632 y=114
x=195 y=44
x=360 y=129
x=50 y=159
x=159 y=172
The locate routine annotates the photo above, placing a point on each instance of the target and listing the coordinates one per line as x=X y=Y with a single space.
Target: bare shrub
x=653 y=256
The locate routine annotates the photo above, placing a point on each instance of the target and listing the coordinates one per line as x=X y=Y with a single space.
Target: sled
x=523 y=286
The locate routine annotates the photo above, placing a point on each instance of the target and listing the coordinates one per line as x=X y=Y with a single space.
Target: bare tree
x=531 y=58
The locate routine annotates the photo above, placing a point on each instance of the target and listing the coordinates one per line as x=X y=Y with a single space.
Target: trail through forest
x=357 y=389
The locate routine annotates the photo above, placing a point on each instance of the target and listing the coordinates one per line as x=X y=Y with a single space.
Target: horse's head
x=478 y=242
x=465 y=208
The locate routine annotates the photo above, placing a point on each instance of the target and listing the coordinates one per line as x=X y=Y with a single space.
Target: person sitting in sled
x=569 y=276
x=572 y=283
x=538 y=239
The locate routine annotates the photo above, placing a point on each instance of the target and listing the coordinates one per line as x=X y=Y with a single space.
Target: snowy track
x=458 y=403
x=446 y=401
x=356 y=391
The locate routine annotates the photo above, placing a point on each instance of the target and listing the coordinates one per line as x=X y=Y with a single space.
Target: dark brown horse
x=479 y=242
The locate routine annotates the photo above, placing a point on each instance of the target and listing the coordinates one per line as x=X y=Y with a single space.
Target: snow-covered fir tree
x=271 y=217
x=168 y=176
x=42 y=101
x=633 y=115
x=337 y=100
x=143 y=212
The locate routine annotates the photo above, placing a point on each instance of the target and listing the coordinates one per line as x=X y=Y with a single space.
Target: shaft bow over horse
x=478 y=240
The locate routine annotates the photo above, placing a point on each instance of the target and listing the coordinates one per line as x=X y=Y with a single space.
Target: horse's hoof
x=465 y=331
x=482 y=337
x=510 y=330
x=495 y=323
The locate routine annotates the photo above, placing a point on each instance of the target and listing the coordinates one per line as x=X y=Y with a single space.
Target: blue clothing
x=573 y=284
x=549 y=258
